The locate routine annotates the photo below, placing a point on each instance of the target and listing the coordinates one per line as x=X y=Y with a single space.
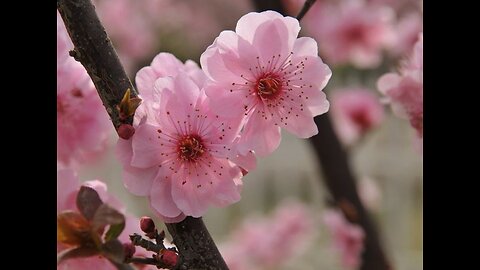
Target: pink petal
x=224 y=102
x=161 y=197
x=67 y=187
x=139 y=180
x=387 y=82
x=270 y=39
x=191 y=198
x=146 y=147
x=259 y=135
x=305 y=46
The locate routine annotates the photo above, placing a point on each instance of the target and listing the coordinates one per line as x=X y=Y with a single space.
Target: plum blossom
x=404 y=90
x=264 y=72
x=355 y=111
x=68 y=186
x=82 y=123
x=348 y=238
x=268 y=242
x=179 y=154
x=352 y=31
x=406 y=33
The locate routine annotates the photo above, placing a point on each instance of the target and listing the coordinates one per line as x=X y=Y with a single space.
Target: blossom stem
x=308 y=4
x=94 y=50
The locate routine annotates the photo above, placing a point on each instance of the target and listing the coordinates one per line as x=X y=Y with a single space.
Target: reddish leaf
x=88 y=201
x=106 y=215
x=72 y=228
x=79 y=252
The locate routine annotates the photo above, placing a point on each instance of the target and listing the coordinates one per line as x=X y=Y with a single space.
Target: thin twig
x=308 y=4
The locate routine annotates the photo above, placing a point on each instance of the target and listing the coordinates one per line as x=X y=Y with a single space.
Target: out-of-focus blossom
x=351 y=31
x=263 y=71
x=406 y=33
x=82 y=122
x=267 y=243
x=347 y=238
x=355 y=111
x=178 y=156
x=404 y=90
x=68 y=186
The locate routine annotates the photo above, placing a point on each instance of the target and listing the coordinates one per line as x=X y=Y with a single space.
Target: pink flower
x=351 y=32
x=348 y=238
x=178 y=156
x=355 y=111
x=404 y=91
x=406 y=33
x=263 y=71
x=82 y=122
x=68 y=186
x=266 y=243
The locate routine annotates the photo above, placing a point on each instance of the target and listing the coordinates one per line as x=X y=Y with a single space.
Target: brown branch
x=195 y=245
x=138 y=240
x=341 y=183
x=94 y=50
x=308 y=4
x=339 y=178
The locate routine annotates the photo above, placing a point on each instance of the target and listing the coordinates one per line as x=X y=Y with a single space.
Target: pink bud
x=129 y=250
x=125 y=131
x=169 y=258
x=147 y=225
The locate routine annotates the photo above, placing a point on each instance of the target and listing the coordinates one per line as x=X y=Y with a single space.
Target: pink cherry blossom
x=348 y=238
x=268 y=242
x=351 y=31
x=404 y=90
x=68 y=186
x=178 y=156
x=355 y=111
x=82 y=122
x=263 y=71
x=406 y=33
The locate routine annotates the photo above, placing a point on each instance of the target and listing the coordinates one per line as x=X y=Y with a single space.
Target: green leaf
x=88 y=201
x=113 y=250
x=80 y=252
x=114 y=231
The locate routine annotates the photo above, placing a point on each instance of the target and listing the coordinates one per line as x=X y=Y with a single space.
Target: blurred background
x=385 y=155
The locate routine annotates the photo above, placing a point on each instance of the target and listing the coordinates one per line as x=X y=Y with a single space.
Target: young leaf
x=88 y=201
x=72 y=228
x=113 y=250
x=79 y=252
x=106 y=215
x=128 y=106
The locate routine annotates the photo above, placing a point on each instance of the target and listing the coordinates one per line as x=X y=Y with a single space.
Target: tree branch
x=308 y=4
x=341 y=184
x=338 y=175
x=95 y=51
x=195 y=245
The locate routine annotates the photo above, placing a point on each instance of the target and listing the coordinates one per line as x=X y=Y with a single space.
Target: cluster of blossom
x=198 y=131
x=347 y=238
x=357 y=32
x=68 y=186
x=270 y=242
x=139 y=27
x=404 y=90
x=82 y=124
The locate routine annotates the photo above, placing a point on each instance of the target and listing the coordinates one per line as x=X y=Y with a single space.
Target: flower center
x=268 y=86
x=190 y=148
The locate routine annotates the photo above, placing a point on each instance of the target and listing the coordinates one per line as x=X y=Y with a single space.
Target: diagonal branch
x=308 y=4
x=339 y=178
x=95 y=51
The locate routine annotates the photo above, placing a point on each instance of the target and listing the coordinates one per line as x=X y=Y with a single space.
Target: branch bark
x=94 y=50
x=339 y=178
